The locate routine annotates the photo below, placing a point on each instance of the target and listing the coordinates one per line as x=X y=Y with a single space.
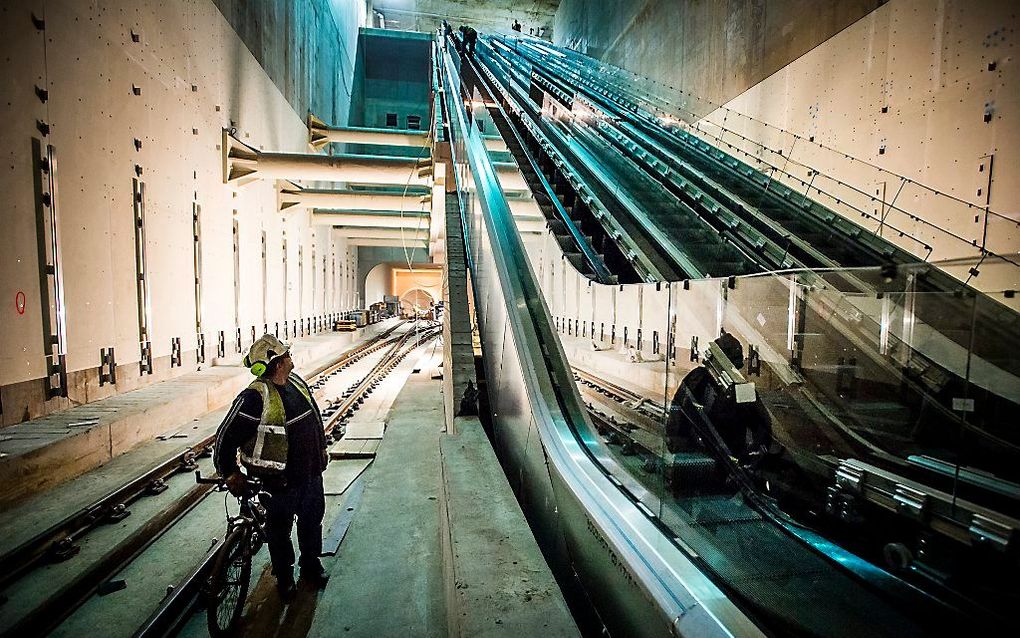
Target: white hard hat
x=263 y=352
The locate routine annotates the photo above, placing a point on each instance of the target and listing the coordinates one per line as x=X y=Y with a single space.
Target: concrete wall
x=142 y=89
x=307 y=47
x=392 y=76
x=712 y=49
x=922 y=97
x=373 y=279
x=903 y=118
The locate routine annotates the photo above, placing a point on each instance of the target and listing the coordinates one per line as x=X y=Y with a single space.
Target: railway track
x=180 y=601
x=62 y=541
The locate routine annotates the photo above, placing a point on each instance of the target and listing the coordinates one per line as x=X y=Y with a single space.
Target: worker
x=745 y=427
x=470 y=38
x=516 y=26
x=274 y=425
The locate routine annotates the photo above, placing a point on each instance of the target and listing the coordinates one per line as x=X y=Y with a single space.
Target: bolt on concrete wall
x=131 y=91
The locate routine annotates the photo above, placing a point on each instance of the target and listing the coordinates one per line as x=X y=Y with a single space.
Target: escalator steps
x=691 y=473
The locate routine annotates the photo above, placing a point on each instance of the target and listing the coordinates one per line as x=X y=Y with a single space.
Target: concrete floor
x=437 y=544
x=388 y=577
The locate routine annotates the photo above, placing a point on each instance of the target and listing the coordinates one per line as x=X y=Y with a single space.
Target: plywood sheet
x=341 y=473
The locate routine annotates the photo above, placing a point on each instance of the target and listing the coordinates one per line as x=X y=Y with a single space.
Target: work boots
x=316 y=578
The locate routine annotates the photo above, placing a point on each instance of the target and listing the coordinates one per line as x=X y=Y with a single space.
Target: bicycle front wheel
x=228 y=584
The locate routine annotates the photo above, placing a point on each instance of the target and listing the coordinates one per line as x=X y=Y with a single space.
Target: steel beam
x=320 y=134
x=388 y=243
x=242 y=164
x=375 y=232
x=409 y=220
x=294 y=197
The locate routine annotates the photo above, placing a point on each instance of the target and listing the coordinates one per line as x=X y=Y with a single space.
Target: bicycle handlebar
x=221 y=481
x=211 y=480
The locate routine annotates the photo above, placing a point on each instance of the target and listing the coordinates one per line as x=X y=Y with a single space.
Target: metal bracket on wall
x=221 y=345
x=753 y=361
x=196 y=227
x=237 y=341
x=107 y=366
x=50 y=269
x=175 y=352
x=145 y=364
x=142 y=277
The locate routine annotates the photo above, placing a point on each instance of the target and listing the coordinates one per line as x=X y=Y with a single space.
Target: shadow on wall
x=719 y=51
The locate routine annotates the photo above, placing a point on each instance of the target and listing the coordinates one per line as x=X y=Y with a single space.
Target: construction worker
x=745 y=428
x=470 y=38
x=516 y=26
x=274 y=425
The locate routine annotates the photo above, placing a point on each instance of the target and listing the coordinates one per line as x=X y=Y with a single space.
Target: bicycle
x=226 y=588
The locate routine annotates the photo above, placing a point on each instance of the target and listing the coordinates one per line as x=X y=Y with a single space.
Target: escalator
x=723 y=561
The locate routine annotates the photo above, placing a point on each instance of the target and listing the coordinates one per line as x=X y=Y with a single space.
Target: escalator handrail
x=686 y=596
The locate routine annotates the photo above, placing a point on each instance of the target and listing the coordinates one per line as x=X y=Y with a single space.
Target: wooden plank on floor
x=340 y=474
x=354 y=449
x=365 y=429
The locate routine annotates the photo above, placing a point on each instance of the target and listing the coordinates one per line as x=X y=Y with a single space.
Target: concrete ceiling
x=483 y=15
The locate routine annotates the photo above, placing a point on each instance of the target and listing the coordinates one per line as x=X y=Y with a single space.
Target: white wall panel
x=935 y=68
x=21 y=342
x=186 y=78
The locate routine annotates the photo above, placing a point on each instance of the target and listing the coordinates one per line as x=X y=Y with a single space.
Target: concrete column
x=458 y=353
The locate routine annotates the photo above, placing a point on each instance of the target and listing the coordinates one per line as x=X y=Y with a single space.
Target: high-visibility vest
x=266 y=452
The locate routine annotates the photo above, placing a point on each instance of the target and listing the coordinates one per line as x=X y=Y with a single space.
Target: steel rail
x=653 y=409
x=47 y=616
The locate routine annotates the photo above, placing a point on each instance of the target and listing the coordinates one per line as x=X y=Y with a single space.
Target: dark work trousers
x=307 y=502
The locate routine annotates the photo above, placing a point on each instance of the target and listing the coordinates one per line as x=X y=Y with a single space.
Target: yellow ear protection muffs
x=262 y=353
x=258 y=368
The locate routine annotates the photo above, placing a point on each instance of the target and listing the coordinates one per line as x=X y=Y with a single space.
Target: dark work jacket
x=733 y=421
x=306 y=441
